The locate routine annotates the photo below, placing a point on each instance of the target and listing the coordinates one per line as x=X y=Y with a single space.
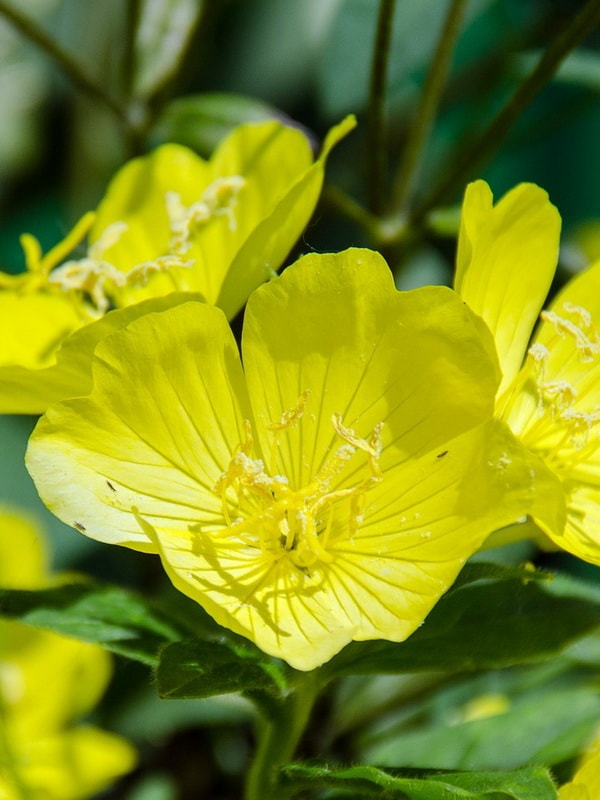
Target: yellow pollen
x=218 y=199
x=559 y=402
x=586 y=337
x=90 y=281
x=264 y=513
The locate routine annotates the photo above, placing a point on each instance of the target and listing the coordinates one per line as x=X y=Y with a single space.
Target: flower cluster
x=46 y=683
x=326 y=481
x=170 y=222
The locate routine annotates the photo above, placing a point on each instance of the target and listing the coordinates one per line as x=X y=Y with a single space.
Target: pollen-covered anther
x=109 y=237
x=292 y=415
x=95 y=278
x=559 y=395
x=583 y=332
x=218 y=199
x=580 y=424
x=264 y=512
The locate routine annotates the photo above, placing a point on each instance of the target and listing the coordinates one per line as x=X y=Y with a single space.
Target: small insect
x=442 y=454
x=79 y=526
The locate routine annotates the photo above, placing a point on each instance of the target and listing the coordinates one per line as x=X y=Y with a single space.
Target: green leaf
x=117 y=619
x=162 y=36
x=493 y=617
x=497 y=721
x=533 y=783
x=205 y=668
x=201 y=121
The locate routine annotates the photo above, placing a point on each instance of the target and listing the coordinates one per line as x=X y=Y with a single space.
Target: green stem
x=377 y=144
x=350 y=208
x=472 y=157
x=430 y=98
x=72 y=68
x=278 y=737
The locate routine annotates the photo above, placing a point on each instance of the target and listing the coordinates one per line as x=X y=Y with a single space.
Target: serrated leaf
x=162 y=36
x=533 y=783
x=194 y=669
x=201 y=121
x=117 y=619
x=493 y=617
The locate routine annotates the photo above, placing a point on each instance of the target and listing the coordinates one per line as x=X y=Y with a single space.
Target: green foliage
x=202 y=669
x=107 y=615
x=533 y=783
x=498 y=720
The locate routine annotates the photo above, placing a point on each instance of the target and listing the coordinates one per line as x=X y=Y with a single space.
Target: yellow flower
x=550 y=390
x=169 y=222
x=329 y=491
x=586 y=781
x=46 y=682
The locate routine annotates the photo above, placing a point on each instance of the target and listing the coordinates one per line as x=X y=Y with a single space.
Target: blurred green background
x=187 y=70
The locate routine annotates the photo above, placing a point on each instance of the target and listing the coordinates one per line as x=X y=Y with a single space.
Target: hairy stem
x=278 y=737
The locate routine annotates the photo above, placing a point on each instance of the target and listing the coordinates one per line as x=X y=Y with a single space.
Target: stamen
x=580 y=425
x=560 y=395
x=588 y=343
x=107 y=239
x=289 y=418
x=218 y=199
x=94 y=277
x=295 y=524
x=74 y=238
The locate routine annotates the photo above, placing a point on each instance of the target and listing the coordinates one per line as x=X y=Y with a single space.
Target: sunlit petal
x=157 y=432
x=506 y=260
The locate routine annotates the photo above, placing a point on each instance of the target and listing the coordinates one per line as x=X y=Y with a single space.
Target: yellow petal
x=334 y=326
x=33 y=326
x=554 y=408
x=269 y=243
x=136 y=197
x=586 y=782
x=506 y=260
x=153 y=436
x=382 y=581
x=286 y=524
x=274 y=174
x=47 y=680
x=76 y=764
x=23 y=556
x=25 y=390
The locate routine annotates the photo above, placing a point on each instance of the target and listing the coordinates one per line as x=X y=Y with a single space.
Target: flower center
x=561 y=404
x=263 y=512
